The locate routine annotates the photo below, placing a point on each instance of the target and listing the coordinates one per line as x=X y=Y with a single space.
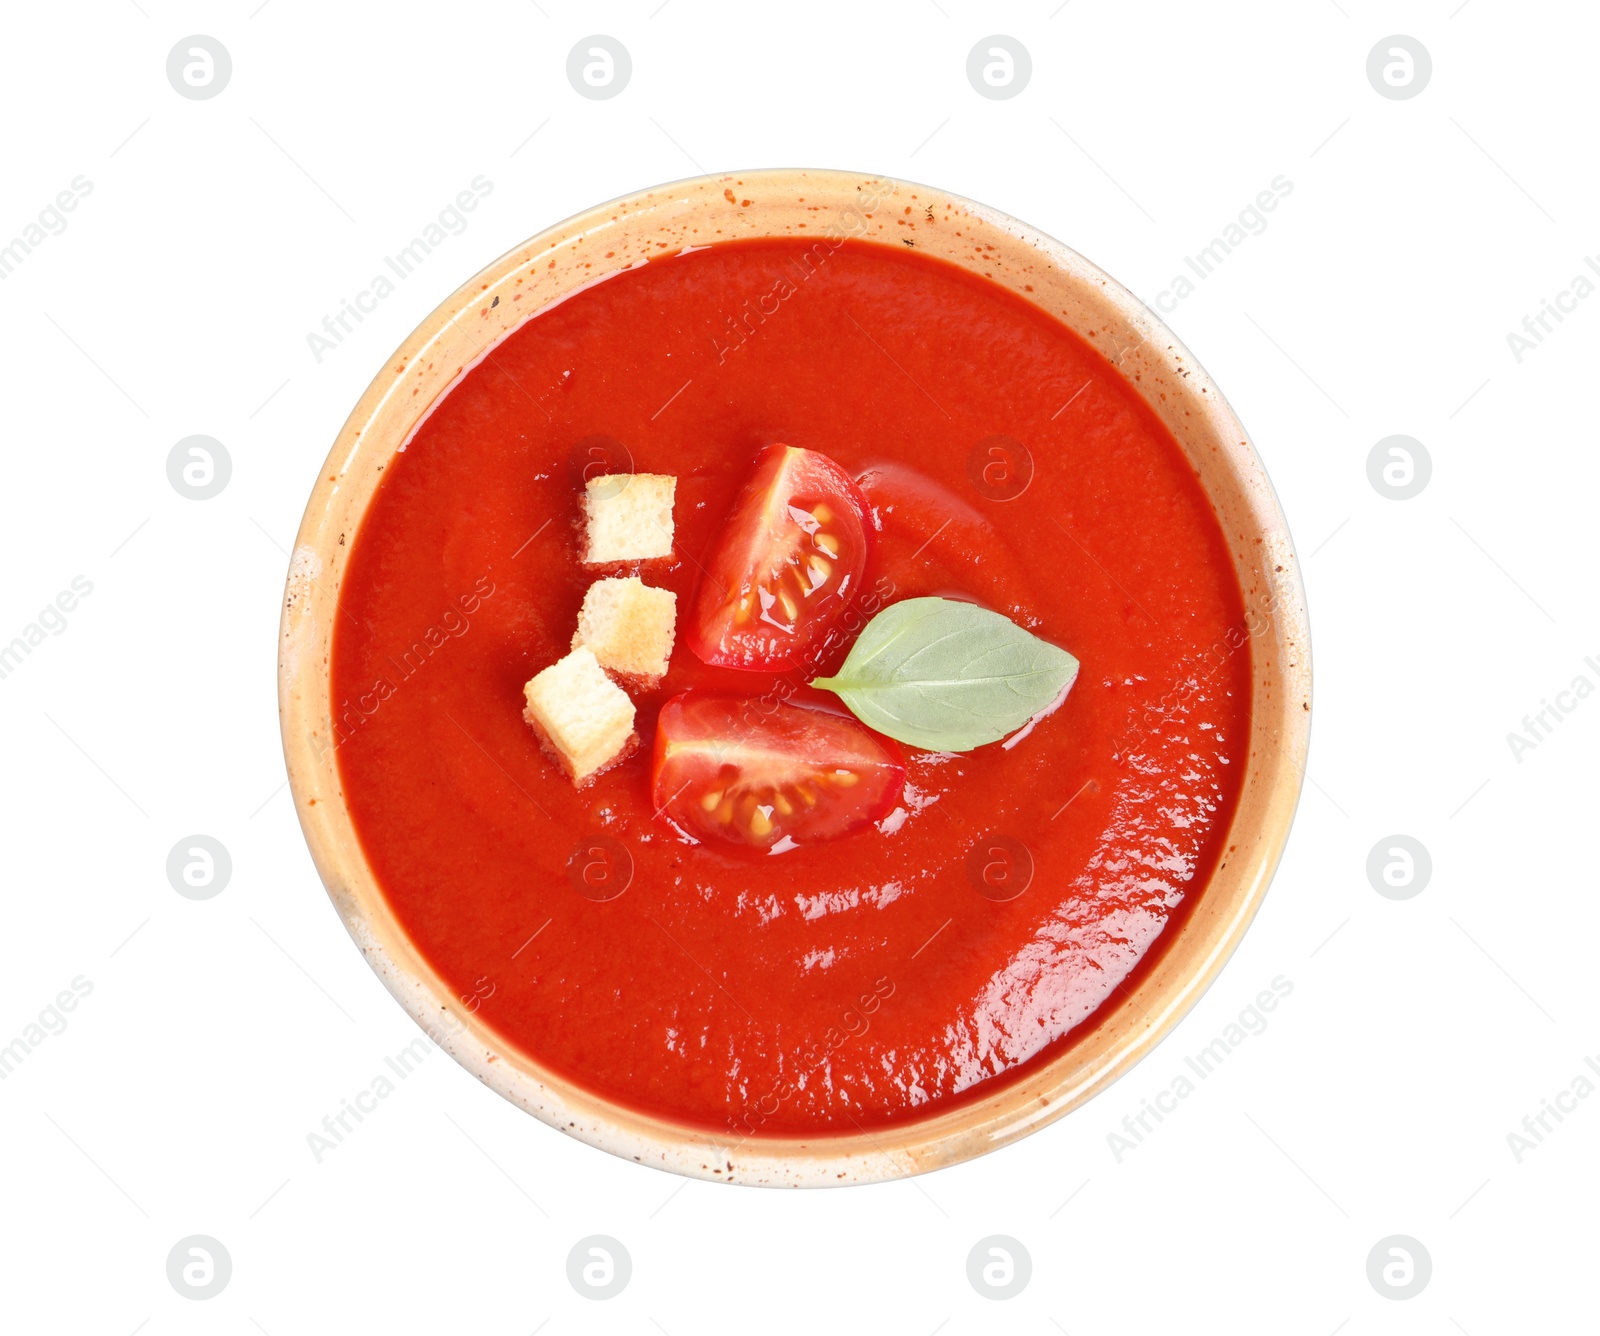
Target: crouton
x=582 y=717
x=629 y=625
x=627 y=517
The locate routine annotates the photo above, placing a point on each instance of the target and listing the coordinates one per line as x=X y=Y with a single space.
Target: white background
x=218 y=1034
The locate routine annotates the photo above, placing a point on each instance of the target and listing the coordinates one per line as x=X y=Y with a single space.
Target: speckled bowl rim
x=820 y=204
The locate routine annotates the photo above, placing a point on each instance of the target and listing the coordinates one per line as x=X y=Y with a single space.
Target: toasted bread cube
x=629 y=625
x=628 y=517
x=581 y=716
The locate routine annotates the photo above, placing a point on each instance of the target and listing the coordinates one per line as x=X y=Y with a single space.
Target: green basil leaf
x=948 y=676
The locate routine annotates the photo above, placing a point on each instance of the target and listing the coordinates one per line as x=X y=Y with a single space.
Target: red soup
x=938 y=947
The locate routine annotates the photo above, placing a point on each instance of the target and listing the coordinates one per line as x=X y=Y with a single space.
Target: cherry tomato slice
x=770 y=776
x=790 y=558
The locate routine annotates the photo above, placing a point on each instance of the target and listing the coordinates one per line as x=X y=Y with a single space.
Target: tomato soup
x=1012 y=891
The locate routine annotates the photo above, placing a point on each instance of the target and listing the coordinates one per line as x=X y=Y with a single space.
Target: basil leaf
x=948 y=676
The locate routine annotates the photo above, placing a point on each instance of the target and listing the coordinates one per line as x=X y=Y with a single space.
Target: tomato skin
x=789 y=561
x=761 y=773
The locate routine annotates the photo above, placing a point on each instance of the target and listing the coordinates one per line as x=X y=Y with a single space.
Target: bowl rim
x=1157 y=364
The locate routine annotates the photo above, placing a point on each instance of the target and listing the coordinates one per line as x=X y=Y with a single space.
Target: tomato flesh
x=789 y=559
x=770 y=776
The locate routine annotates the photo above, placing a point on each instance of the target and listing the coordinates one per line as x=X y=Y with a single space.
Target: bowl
x=772 y=203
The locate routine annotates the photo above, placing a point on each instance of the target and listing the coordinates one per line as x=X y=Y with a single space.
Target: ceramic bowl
x=805 y=203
